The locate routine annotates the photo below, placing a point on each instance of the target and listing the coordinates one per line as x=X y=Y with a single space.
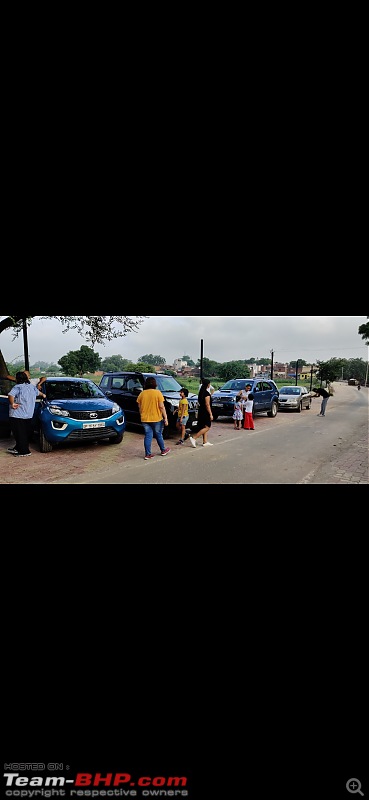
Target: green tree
x=77 y=362
x=114 y=364
x=357 y=368
x=141 y=367
x=189 y=360
x=364 y=332
x=211 y=368
x=96 y=330
x=150 y=359
x=232 y=370
x=328 y=371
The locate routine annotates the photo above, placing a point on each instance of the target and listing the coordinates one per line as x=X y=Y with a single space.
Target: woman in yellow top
x=152 y=411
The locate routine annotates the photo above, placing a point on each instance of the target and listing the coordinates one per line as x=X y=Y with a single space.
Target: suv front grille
x=86 y=415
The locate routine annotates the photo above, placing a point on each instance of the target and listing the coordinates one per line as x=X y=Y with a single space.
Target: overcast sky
x=225 y=339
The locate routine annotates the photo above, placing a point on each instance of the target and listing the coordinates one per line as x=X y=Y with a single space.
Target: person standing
x=204 y=417
x=244 y=396
x=238 y=414
x=183 y=415
x=325 y=395
x=22 y=399
x=152 y=412
x=210 y=389
x=249 y=416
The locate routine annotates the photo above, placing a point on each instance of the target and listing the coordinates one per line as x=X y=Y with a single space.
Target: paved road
x=292 y=449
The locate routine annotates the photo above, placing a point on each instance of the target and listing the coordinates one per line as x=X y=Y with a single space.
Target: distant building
x=179 y=365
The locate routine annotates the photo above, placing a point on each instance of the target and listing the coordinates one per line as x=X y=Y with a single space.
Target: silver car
x=294 y=398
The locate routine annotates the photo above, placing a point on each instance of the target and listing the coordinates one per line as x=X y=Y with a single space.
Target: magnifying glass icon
x=354 y=786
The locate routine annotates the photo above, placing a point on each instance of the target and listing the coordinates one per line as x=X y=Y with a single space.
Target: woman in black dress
x=205 y=416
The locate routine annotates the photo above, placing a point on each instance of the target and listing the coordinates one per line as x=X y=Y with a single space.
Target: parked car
x=124 y=387
x=75 y=409
x=265 y=397
x=294 y=398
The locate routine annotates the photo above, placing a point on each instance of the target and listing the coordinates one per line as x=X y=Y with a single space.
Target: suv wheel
x=45 y=446
x=274 y=410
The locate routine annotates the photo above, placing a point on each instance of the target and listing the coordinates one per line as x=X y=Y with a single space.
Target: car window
x=104 y=383
x=134 y=383
x=167 y=384
x=117 y=383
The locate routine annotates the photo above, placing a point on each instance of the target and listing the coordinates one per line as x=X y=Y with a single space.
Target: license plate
x=93 y=425
x=217 y=405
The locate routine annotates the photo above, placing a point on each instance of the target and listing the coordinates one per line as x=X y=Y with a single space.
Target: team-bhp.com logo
x=119 y=784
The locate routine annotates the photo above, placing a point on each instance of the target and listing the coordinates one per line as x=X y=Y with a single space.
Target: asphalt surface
x=79 y=463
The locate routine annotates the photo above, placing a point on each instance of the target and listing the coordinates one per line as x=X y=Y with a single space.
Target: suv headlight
x=59 y=412
x=116 y=409
x=174 y=403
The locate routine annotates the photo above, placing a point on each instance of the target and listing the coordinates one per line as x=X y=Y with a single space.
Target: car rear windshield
x=290 y=390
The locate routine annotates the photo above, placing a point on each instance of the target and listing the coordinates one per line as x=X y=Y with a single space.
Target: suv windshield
x=167 y=384
x=71 y=390
x=235 y=386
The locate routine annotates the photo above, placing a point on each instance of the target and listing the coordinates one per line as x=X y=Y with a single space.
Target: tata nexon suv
x=265 y=397
x=124 y=388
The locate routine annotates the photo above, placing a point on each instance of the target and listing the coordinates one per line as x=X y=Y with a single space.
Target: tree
x=189 y=361
x=96 y=330
x=364 y=332
x=114 y=364
x=77 y=362
x=211 y=368
x=150 y=359
x=141 y=367
x=232 y=370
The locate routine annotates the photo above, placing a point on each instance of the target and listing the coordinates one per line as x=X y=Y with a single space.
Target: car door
x=305 y=397
x=113 y=389
x=257 y=391
x=132 y=388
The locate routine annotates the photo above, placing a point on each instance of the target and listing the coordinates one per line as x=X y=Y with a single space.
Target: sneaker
x=187 y=436
x=166 y=451
x=193 y=443
x=208 y=444
x=22 y=455
x=147 y=458
x=13 y=451
x=180 y=442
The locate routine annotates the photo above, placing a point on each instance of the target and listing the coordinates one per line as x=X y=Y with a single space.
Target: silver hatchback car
x=294 y=398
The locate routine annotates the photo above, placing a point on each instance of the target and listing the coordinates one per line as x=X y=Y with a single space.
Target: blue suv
x=75 y=409
x=265 y=393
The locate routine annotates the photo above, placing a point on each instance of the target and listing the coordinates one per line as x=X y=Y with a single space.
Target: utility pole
x=297 y=371
x=311 y=378
x=25 y=342
x=272 y=366
x=202 y=361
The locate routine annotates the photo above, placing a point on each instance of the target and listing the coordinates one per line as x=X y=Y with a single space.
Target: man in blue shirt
x=22 y=399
